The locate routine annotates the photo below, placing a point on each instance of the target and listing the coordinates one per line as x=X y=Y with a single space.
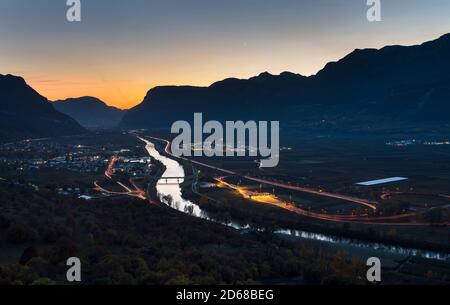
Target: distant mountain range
x=396 y=87
x=24 y=113
x=90 y=112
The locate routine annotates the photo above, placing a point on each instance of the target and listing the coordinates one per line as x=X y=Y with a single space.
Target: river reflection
x=171 y=195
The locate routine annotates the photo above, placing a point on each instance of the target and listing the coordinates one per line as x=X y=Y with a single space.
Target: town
x=66 y=167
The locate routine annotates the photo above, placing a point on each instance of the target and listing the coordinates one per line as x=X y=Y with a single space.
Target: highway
x=109 y=169
x=367 y=203
x=321 y=216
x=364 y=202
x=109 y=173
x=335 y=218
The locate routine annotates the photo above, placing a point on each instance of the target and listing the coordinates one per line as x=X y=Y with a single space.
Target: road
x=335 y=218
x=364 y=202
x=137 y=192
x=109 y=170
x=322 y=216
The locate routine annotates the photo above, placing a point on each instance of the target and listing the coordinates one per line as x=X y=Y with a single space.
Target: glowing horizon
x=120 y=51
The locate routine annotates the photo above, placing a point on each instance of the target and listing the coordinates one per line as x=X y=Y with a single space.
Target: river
x=171 y=195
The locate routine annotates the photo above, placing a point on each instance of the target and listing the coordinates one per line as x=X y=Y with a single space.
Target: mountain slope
x=24 y=113
x=393 y=87
x=228 y=99
x=90 y=112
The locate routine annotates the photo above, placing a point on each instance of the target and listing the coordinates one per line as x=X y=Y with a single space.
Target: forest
x=128 y=241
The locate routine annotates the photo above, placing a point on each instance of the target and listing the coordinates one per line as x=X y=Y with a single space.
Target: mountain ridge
x=393 y=84
x=24 y=113
x=90 y=112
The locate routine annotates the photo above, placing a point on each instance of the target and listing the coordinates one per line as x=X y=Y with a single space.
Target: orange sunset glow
x=118 y=52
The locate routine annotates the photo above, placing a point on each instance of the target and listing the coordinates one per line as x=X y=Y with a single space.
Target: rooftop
x=382 y=181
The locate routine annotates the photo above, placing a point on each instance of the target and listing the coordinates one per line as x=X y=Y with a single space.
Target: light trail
x=109 y=170
x=137 y=192
x=335 y=218
x=321 y=216
x=367 y=203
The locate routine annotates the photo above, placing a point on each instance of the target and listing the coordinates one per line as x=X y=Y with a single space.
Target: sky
x=121 y=49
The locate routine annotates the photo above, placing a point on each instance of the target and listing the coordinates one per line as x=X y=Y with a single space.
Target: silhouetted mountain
x=90 y=112
x=394 y=87
x=24 y=113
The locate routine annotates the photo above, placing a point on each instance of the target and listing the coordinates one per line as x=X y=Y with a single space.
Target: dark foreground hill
x=90 y=112
x=24 y=113
x=394 y=87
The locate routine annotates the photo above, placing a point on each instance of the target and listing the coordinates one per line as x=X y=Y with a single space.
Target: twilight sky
x=121 y=49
